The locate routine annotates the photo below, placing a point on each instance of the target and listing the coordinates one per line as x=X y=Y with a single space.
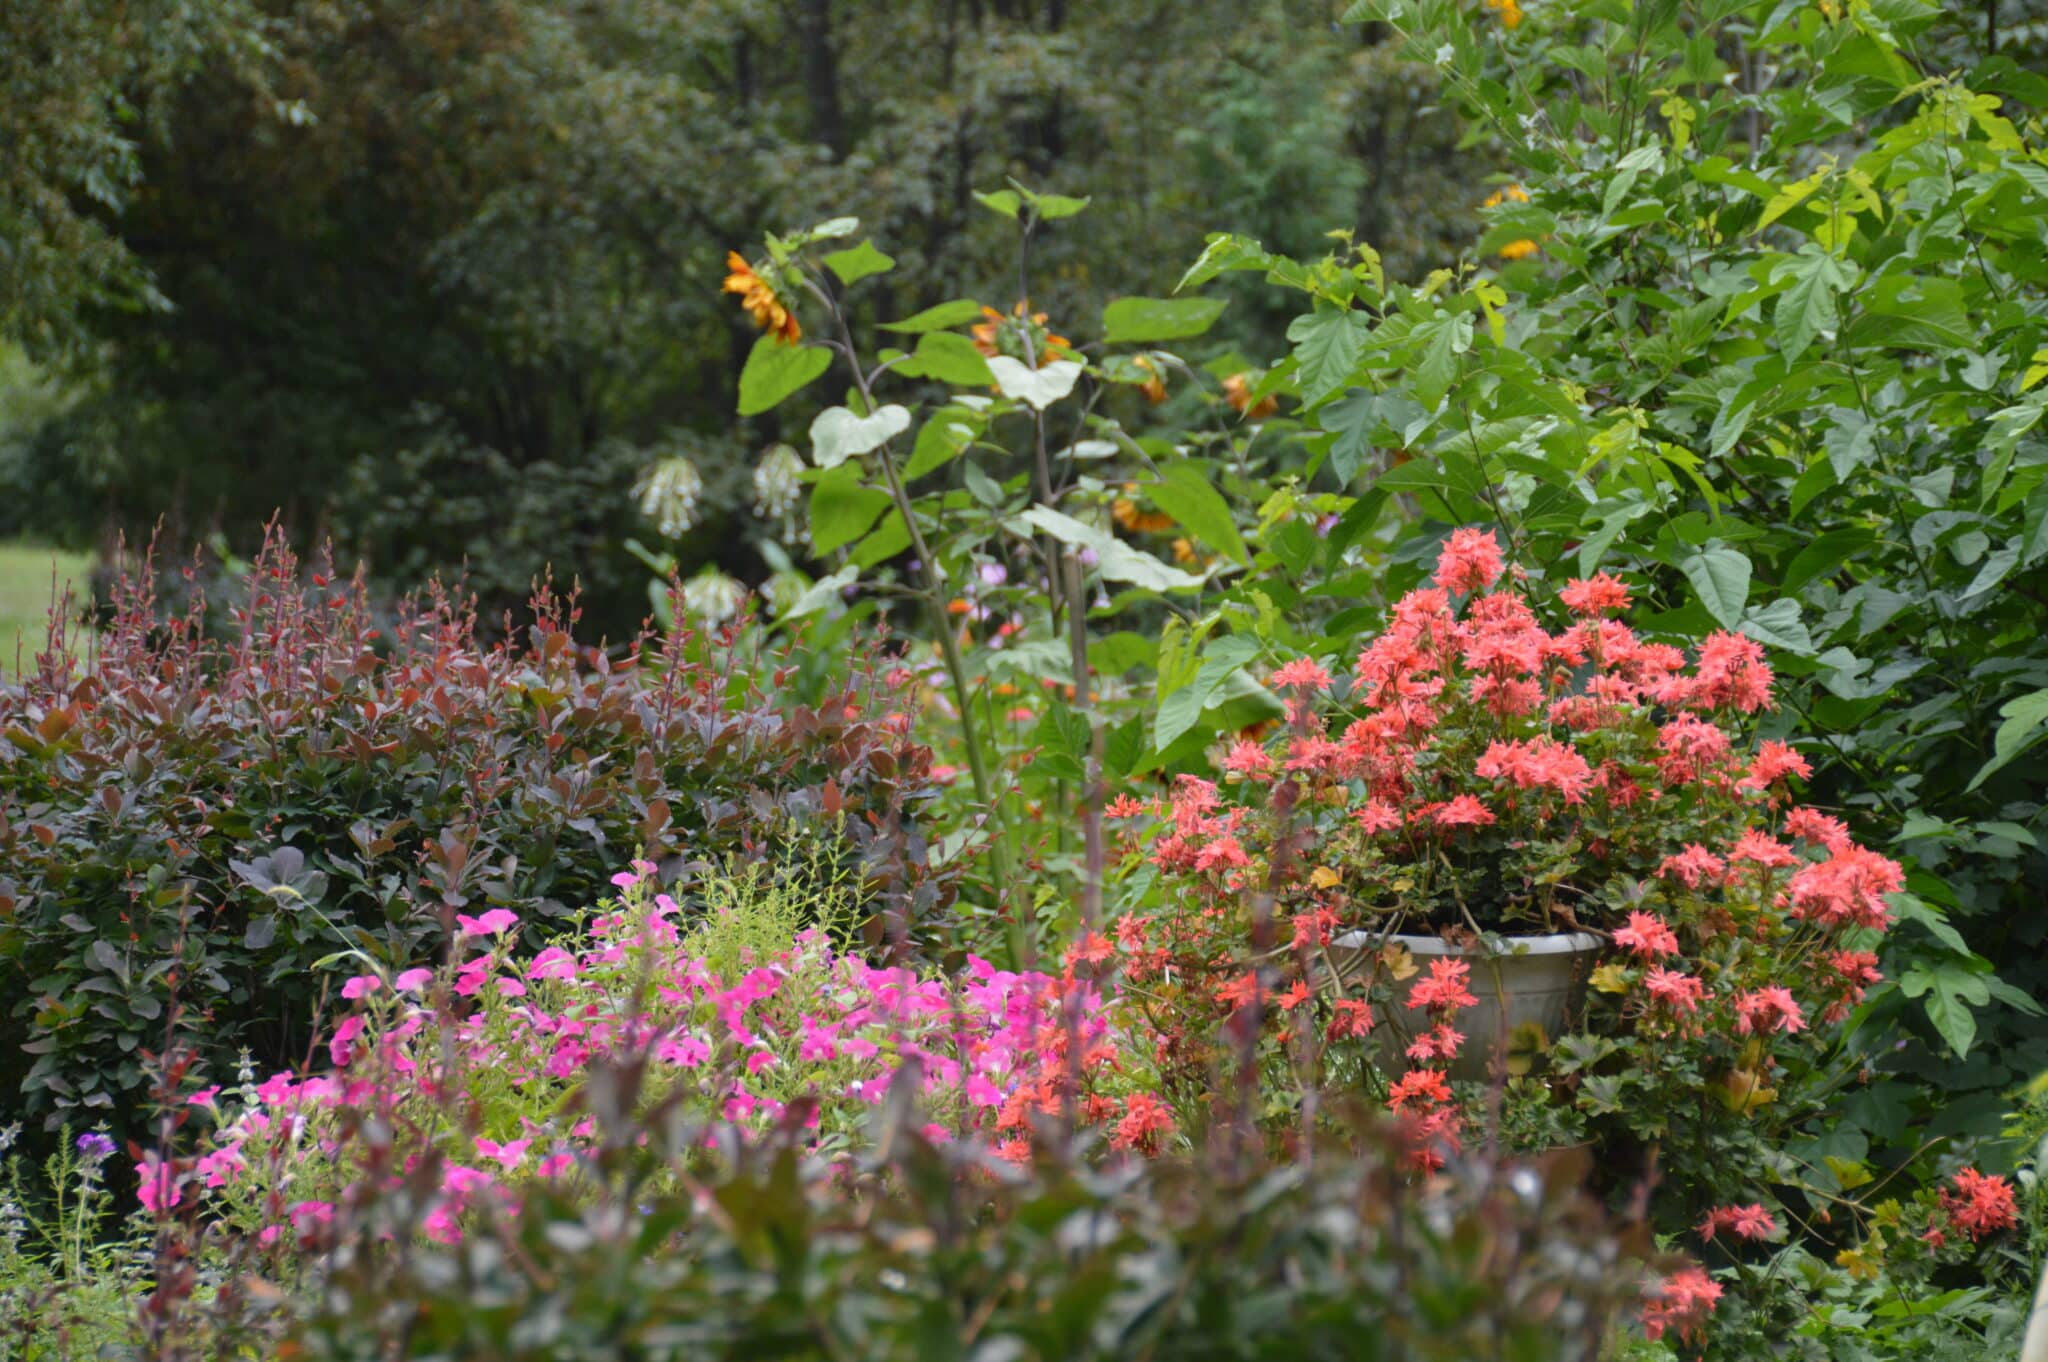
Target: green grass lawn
x=26 y=578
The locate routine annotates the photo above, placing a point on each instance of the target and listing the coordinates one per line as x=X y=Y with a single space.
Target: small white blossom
x=668 y=493
x=711 y=597
x=776 y=482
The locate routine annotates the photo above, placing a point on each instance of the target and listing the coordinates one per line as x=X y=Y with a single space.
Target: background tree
x=452 y=303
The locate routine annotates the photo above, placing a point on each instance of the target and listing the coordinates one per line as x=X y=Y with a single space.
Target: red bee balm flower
x=1680 y=1303
x=1676 y=990
x=1445 y=987
x=1648 y=935
x=1146 y=1119
x=1470 y=561
x=1768 y=1009
x=1982 y=1204
x=1744 y=1222
x=1599 y=594
x=1301 y=674
x=1462 y=812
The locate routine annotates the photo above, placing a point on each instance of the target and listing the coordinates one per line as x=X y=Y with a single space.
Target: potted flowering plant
x=1551 y=854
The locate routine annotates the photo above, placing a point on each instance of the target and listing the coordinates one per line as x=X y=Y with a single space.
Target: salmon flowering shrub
x=479 y=1065
x=1497 y=761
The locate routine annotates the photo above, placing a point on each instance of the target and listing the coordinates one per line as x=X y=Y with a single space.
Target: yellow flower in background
x=1510 y=12
x=757 y=296
x=1514 y=193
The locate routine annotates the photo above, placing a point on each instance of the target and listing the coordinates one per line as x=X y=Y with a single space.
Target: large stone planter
x=1539 y=979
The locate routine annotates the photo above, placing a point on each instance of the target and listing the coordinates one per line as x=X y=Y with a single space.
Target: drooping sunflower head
x=1154 y=386
x=756 y=288
x=1021 y=333
x=1237 y=391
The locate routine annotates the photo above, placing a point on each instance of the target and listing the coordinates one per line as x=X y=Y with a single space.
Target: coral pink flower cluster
x=1478 y=768
x=995 y=1053
x=1979 y=1204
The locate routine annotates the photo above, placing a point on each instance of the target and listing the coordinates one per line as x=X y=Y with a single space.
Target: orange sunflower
x=996 y=334
x=1154 y=386
x=757 y=296
x=1237 y=391
x=1126 y=512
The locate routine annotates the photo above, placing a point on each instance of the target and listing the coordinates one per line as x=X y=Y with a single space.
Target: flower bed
x=482 y=1067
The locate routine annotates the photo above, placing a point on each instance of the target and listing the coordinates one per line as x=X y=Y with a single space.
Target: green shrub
x=205 y=822
x=936 y=1252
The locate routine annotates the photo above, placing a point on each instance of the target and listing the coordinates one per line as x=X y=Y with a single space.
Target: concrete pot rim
x=1545 y=943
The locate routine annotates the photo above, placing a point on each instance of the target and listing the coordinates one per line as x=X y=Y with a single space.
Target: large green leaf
x=1185 y=493
x=1116 y=560
x=946 y=357
x=773 y=371
x=858 y=262
x=1327 y=345
x=941 y=439
x=1808 y=307
x=1446 y=339
x=938 y=318
x=1951 y=989
x=2025 y=724
x=1129 y=321
x=1040 y=387
x=1182 y=709
x=1721 y=577
x=838 y=435
x=842 y=508
x=1779 y=625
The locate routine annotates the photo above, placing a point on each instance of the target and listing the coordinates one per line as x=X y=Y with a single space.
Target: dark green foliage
x=484 y=258
x=942 y=1254
x=1779 y=358
x=180 y=817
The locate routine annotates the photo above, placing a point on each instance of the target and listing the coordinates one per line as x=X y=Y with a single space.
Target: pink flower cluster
x=994 y=1053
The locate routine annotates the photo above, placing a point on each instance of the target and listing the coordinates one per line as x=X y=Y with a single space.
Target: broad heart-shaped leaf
x=949 y=358
x=1040 y=387
x=1137 y=320
x=2025 y=723
x=1115 y=560
x=820 y=594
x=1185 y=493
x=1808 y=307
x=1004 y=201
x=1327 y=345
x=945 y=433
x=858 y=262
x=773 y=371
x=938 y=318
x=1779 y=625
x=1721 y=577
x=838 y=435
x=1951 y=989
x=842 y=508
